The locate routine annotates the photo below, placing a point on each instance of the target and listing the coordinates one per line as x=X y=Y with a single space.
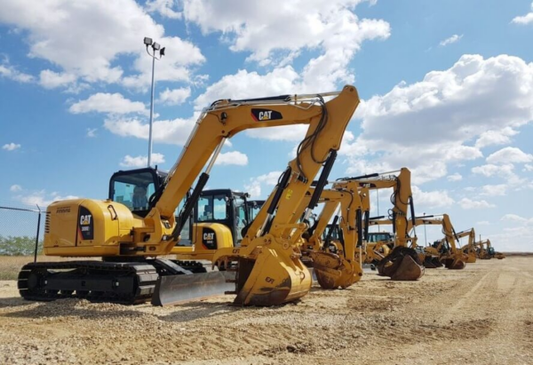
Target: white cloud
x=15 y=188
x=453 y=39
x=166 y=131
x=85 y=39
x=482 y=223
x=246 y=84
x=518 y=237
x=142 y=161
x=516 y=218
x=466 y=203
x=528 y=167
x=164 y=7
x=108 y=103
x=455 y=177
x=51 y=80
x=10 y=72
x=431 y=199
x=232 y=158
x=329 y=26
x=493 y=190
x=493 y=170
x=505 y=172
x=175 y=96
x=495 y=137
x=254 y=187
x=429 y=124
x=525 y=19
x=509 y=155
x=11 y=146
x=91 y=132
x=42 y=199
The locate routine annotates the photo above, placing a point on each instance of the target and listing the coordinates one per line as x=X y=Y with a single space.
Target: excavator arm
x=222 y=120
x=269 y=269
x=402 y=263
x=444 y=251
x=469 y=250
x=343 y=267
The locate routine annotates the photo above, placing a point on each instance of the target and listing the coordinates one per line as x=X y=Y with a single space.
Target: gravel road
x=480 y=315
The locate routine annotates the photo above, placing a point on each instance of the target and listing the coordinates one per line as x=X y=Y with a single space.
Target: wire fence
x=20 y=231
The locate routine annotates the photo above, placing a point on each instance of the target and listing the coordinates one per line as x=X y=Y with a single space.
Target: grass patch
x=11 y=265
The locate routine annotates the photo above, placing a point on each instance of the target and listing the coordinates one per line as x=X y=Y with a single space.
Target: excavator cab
x=380 y=237
x=224 y=206
x=254 y=207
x=133 y=188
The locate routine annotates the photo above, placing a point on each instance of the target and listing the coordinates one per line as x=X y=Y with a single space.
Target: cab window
x=212 y=208
x=133 y=190
x=239 y=205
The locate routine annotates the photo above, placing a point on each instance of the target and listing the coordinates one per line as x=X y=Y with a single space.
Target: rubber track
x=144 y=279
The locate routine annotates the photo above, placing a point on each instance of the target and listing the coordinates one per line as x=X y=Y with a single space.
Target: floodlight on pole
x=149 y=43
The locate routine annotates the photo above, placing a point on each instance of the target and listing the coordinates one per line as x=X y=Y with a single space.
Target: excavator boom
x=402 y=263
x=269 y=267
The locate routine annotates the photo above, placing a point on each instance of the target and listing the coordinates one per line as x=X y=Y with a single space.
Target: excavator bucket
x=401 y=264
x=174 y=289
x=454 y=263
x=471 y=258
x=431 y=262
x=272 y=278
x=333 y=271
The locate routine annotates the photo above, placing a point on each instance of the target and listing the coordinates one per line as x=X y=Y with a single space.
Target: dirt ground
x=480 y=315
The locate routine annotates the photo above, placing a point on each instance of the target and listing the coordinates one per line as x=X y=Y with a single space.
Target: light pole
x=155 y=47
x=425 y=233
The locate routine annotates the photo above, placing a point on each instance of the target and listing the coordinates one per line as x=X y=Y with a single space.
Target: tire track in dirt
x=480 y=315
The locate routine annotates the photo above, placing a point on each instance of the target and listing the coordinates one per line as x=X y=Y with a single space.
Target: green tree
x=18 y=246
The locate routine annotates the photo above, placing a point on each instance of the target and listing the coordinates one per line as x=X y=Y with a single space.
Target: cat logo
x=209 y=236
x=261 y=115
x=266 y=115
x=85 y=220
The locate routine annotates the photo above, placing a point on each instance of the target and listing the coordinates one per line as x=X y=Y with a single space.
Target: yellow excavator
x=485 y=251
x=214 y=207
x=446 y=249
x=336 y=256
x=402 y=263
x=377 y=244
x=469 y=249
x=269 y=269
x=442 y=252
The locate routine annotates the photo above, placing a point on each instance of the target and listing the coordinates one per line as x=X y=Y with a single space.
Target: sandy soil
x=480 y=315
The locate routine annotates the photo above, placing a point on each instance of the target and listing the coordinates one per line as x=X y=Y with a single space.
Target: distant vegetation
x=18 y=246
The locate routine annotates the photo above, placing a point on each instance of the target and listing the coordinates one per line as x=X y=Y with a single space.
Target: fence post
x=37 y=236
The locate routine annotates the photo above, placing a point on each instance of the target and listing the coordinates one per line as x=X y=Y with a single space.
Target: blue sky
x=447 y=91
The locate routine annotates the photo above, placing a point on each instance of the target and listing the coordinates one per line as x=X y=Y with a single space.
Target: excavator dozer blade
x=454 y=264
x=401 y=264
x=174 y=289
x=334 y=272
x=272 y=278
